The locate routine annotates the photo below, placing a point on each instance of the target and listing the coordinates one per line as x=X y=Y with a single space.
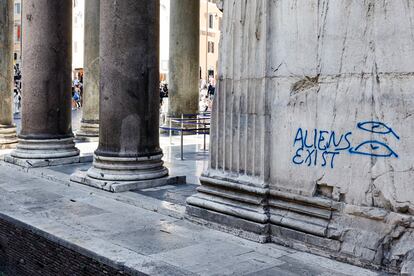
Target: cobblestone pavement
x=146 y=230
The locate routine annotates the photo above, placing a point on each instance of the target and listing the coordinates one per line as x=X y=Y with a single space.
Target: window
x=211 y=21
x=17 y=8
x=211 y=47
x=18 y=33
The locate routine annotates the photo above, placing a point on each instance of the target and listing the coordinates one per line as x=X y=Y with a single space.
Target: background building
x=78 y=36
x=17 y=32
x=164 y=38
x=210 y=31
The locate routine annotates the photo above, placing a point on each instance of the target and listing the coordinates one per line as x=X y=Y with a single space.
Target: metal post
x=182 y=136
x=182 y=145
x=205 y=137
x=170 y=132
x=197 y=127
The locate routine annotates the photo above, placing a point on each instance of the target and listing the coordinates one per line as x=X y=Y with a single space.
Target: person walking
x=16 y=101
x=77 y=98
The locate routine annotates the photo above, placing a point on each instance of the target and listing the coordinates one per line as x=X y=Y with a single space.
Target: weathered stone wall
x=25 y=251
x=312 y=129
x=340 y=64
x=340 y=83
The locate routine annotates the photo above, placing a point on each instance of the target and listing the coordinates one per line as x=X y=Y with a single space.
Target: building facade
x=17 y=35
x=210 y=32
x=78 y=35
x=164 y=38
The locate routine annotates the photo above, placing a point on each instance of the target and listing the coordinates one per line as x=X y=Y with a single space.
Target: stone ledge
x=41 y=163
x=81 y=138
x=250 y=230
x=8 y=145
x=119 y=187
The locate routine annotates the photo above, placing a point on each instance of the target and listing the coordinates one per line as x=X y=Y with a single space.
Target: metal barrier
x=201 y=123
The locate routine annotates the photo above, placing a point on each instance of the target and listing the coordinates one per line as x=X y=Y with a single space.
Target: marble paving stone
x=174 y=193
x=328 y=264
x=151 y=241
x=22 y=186
x=295 y=268
x=71 y=168
x=218 y=259
x=66 y=210
x=109 y=224
x=36 y=197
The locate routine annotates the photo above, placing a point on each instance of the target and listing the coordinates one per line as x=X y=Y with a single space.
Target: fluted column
x=89 y=129
x=8 y=136
x=46 y=132
x=184 y=57
x=129 y=99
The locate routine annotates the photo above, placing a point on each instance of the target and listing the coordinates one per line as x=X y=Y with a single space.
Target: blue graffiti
x=374 y=149
x=377 y=127
x=321 y=147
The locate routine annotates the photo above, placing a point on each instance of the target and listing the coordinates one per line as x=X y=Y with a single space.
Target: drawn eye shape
x=377 y=127
x=373 y=148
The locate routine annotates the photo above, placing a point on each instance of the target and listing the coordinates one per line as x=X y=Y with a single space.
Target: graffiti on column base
x=321 y=147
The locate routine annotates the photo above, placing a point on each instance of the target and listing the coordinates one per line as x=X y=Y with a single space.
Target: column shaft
x=129 y=99
x=7 y=129
x=184 y=57
x=46 y=95
x=90 y=111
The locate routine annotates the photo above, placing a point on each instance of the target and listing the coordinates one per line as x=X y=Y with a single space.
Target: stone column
x=129 y=98
x=8 y=136
x=184 y=57
x=312 y=143
x=89 y=129
x=46 y=136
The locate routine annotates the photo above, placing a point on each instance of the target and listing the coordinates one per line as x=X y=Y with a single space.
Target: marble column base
x=127 y=168
x=232 y=207
x=124 y=186
x=89 y=132
x=119 y=174
x=31 y=153
x=8 y=137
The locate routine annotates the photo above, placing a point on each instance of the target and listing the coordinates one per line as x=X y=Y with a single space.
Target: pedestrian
x=206 y=103
x=16 y=101
x=165 y=90
x=77 y=98
x=211 y=90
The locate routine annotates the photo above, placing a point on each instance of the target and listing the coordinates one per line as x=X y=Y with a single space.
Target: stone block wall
x=312 y=137
x=26 y=251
